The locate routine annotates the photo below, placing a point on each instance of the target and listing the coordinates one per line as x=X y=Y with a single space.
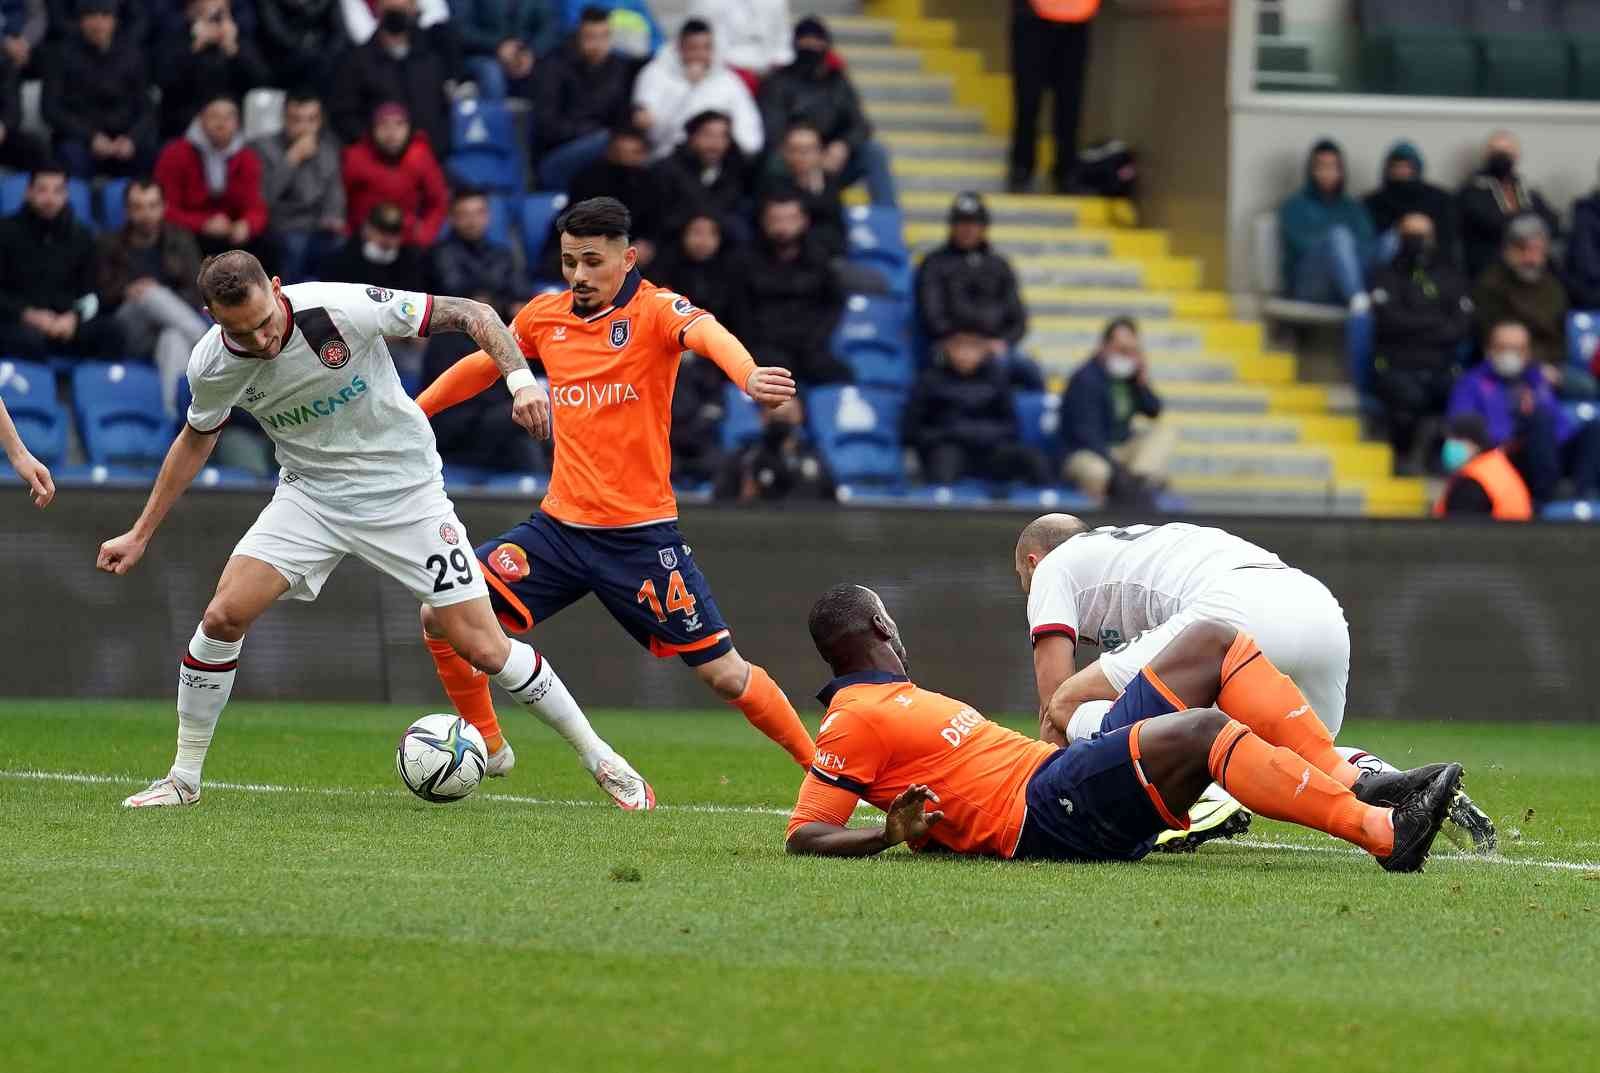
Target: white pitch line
x=745 y=810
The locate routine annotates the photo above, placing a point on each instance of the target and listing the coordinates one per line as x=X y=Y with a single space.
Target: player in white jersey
x=360 y=476
x=1129 y=591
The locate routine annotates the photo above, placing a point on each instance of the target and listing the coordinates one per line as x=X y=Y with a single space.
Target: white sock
x=529 y=678
x=1365 y=760
x=205 y=681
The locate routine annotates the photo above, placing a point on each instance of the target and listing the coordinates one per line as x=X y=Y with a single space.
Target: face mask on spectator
x=808 y=59
x=379 y=254
x=1501 y=165
x=1508 y=364
x=1415 y=248
x=1455 y=454
x=1121 y=366
x=395 y=21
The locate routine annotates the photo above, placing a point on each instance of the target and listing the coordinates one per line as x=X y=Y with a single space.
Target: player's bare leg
x=205 y=676
x=751 y=689
x=473 y=631
x=468 y=690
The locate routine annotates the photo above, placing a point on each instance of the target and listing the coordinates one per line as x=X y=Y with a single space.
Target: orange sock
x=468 y=689
x=1277 y=783
x=1267 y=701
x=770 y=712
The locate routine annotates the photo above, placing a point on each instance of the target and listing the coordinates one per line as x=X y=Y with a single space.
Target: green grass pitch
x=320 y=918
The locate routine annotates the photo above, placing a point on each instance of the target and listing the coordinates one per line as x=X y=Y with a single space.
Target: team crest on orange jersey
x=509 y=562
x=621 y=331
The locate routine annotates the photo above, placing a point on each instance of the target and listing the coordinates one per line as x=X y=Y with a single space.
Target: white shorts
x=426 y=549
x=1293 y=617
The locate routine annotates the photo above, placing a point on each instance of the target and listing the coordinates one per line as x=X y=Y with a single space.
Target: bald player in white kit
x=1128 y=592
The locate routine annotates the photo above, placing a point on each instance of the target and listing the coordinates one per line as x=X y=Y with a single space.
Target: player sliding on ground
x=609 y=523
x=34 y=473
x=360 y=477
x=1129 y=591
x=997 y=793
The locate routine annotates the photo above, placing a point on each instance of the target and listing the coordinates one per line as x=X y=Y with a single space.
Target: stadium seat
x=29 y=392
x=873 y=317
x=1421 y=47
x=877 y=229
x=523 y=484
x=485 y=152
x=263 y=112
x=231 y=477
x=113 y=204
x=81 y=197
x=895 y=270
x=12 y=189
x=960 y=494
x=741 y=418
x=1581 y=23
x=1039 y=417
x=1571 y=510
x=1525 y=53
x=120 y=416
x=879 y=363
x=536 y=218
x=1583 y=337
x=500 y=220
x=857 y=431
x=1068 y=499
x=111 y=476
x=458 y=477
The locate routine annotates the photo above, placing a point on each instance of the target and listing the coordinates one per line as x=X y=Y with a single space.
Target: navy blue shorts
x=1141 y=700
x=1089 y=803
x=646 y=578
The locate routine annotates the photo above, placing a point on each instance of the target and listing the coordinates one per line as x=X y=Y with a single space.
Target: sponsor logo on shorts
x=509 y=563
x=335 y=354
x=669 y=558
x=691 y=622
x=621 y=331
x=448 y=534
x=379 y=294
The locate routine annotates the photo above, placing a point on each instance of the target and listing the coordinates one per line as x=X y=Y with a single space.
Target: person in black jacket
x=210 y=59
x=1402 y=190
x=19 y=150
x=1107 y=452
x=791 y=296
x=97 y=98
x=706 y=174
x=815 y=87
x=700 y=267
x=624 y=173
x=303 y=37
x=584 y=91
x=781 y=463
x=1492 y=198
x=399 y=63
x=378 y=254
x=962 y=420
x=1423 y=318
x=48 y=303
x=965 y=288
x=798 y=165
x=1583 y=253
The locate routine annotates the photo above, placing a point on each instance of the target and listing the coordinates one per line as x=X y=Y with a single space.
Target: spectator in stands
x=697 y=415
x=707 y=174
x=779 y=464
x=816 y=87
x=468 y=262
x=502 y=40
x=1583 y=252
x=399 y=63
x=19 y=150
x=624 y=173
x=1047 y=50
x=97 y=97
x=753 y=35
x=302 y=37
x=212 y=180
x=967 y=294
x=1492 y=198
x=379 y=254
x=22 y=28
x=1482 y=481
x=1522 y=287
x=209 y=60
x=1513 y=397
x=363 y=18
x=700 y=267
x=1326 y=235
x=962 y=420
x=48 y=304
x=798 y=166
x=791 y=297
x=1116 y=448
x=302 y=182
x=393 y=164
x=1423 y=320
x=134 y=24
x=681 y=83
x=1403 y=191
x=147 y=280
x=584 y=91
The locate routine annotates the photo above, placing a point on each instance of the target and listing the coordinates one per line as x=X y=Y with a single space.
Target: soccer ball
x=441 y=758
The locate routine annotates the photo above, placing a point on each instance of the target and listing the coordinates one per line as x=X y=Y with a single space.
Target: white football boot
x=624 y=785
x=501 y=763
x=167 y=790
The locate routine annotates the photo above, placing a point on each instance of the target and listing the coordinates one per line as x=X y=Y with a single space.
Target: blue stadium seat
x=457 y=477
x=13 y=188
x=110 y=476
x=120 y=416
x=895 y=270
x=500 y=220
x=1068 y=499
x=741 y=418
x=878 y=229
x=485 y=150
x=231 y=477
x=960 y=494
x=81 y=198
x=857 y=431
x=113 y=204
x=876 y=317
x=1039 y=418
x=29 y=392
x=880 y=363
x=1571 y=510
x=524 y=484
x=1583 y=336
x=538 y=215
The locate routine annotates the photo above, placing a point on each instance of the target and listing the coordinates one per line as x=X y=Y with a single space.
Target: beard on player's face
x=595 y=281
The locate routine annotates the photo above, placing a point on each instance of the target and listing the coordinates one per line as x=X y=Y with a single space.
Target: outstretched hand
x=907 y=821
x=770 y=386
x=37 y=476
x=530 y=408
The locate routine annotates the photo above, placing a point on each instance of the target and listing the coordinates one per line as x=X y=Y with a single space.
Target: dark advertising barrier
x=1446 y=621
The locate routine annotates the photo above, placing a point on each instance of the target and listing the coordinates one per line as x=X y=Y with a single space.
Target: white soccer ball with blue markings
x=441 y=758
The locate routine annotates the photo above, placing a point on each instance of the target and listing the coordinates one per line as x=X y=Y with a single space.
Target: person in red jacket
x=395 y=163
x=212 y=180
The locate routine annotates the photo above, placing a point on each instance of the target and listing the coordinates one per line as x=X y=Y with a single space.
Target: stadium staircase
x=1253 y=437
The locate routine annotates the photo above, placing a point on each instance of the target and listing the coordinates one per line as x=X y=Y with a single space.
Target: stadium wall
x=1447 y=621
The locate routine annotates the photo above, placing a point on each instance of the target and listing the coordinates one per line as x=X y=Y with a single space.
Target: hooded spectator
x=791 y=298
x=1402 y=190
x=1520 y=286
x=798 y=166
x=1115 y=445
x=209 y=59
x=212 y=180
x=753 y=35
x=707 y=174
x=378 y=254
x=394 y=165
x=502 y=40
x=1482 y=481
x=400 y=63
x=302 y=180
x=585 y=90
x=965 y=289
x=962 y=420
x=1492 y=198
x=683 y=82
x=97 y=97
x=1326 y=235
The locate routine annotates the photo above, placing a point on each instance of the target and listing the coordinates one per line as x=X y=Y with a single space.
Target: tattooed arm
x=530 y=406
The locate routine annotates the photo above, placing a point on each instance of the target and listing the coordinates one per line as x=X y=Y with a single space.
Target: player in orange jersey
x=1001 y=794
x=608 y=524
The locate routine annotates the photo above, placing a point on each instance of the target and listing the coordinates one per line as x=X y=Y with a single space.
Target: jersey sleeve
x=849 y=755
x=403 y=314
x=672 y=316
x=212 y=396
x=1052 y=602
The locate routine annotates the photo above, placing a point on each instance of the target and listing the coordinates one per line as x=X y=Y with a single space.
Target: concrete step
x=1308 y=498
x=1082 y=334
x=920 y=145
x=1178 y=366
x=904 y=87
x=852 y=30
x=1194 y=398
x=1212 y=429
x=1111 y=302
x=877 y=58
x=1025 y=240
x=1163 y=273
x=924 y=118
x=924 y=207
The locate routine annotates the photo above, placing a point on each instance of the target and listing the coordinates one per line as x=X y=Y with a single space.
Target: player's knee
x=727 y=675
x=222 y=622
x=1201 y=727
x=430 y=622
x=485 y=650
